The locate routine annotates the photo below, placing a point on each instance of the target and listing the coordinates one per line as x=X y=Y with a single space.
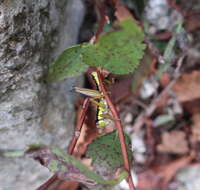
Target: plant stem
x=47 y=184
x=102 y=11
x=79 y=126
x=119 y=128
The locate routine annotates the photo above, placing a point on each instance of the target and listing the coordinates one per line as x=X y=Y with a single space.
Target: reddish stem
x=79 y=126
x=48 y=183
x=102 y=11
x=150 y=141
x=119 y=128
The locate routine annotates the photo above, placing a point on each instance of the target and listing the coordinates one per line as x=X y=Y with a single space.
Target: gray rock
x=32 y=33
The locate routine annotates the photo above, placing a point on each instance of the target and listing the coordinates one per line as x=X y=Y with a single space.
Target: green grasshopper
x=98 y=99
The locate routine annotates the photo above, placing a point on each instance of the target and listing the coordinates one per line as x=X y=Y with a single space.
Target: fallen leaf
x=170 y=170
x=192 y=107
x=165 y=79
x=187 y=87
x=149 y=180
x=173 y=142
x=158 y=177
x=192 y=22
x=195 y=128
x=121 y=89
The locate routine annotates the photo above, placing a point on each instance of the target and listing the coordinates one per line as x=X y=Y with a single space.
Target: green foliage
x=12 y=153
x=68 y=167
x=170 y=51
x=68 y=64
x=106 y=154
x=160 y=45
x=118 y=52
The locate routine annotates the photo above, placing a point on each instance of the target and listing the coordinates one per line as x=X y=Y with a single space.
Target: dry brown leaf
x=159 y=177
x=122 y=13
x=195 y=128
x=192 y=22
x=121 y=89
x=165 y=79
x=187 y=87
x=192 y=107
x=173 y=142
x=149 y=180
x=170 y=170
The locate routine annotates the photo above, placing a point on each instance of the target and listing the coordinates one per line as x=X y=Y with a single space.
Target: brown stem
x=48 y=183
x=150 y=141
x=102 y=11
x=79 y=126
x=119 y=128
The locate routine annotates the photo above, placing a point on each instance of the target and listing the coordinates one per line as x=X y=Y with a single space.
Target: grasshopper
x=103 y=117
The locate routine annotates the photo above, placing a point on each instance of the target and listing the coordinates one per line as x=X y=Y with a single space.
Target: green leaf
x=106 y=154
x=68 y=64
x=12 y=153
x=67 y=167
x=118 y=52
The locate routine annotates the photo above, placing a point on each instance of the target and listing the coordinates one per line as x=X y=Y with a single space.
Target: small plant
x=119 y=52
x=67 y=167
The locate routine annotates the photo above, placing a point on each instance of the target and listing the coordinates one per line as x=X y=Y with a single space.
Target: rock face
x=32 y=33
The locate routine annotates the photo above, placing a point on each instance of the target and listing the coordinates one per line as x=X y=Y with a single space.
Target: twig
x=140 y=120
x=79 y=126
x=150 y=141
x=47 y=184
x=101 y=7
x=119 y=128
